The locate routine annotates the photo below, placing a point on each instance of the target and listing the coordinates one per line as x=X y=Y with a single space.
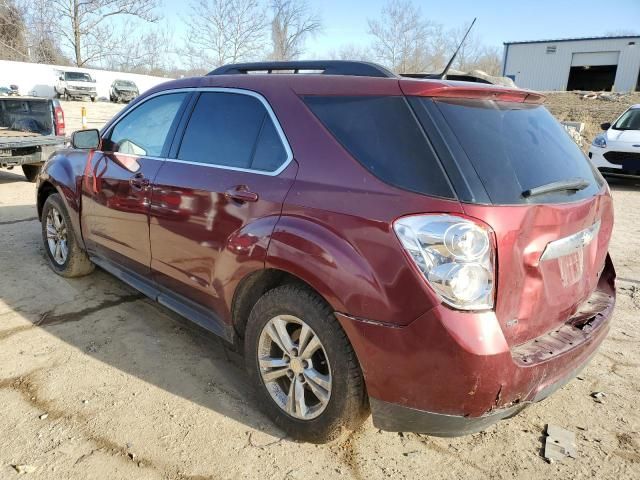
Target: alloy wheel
x=57 y=236
x=294 y=367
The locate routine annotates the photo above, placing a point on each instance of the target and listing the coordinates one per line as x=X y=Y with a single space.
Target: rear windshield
x=514 y=147
x=383 y=135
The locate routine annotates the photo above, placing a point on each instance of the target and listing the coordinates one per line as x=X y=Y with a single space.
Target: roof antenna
x=443 y=75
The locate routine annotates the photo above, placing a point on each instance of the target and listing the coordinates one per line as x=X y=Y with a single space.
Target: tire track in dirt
x=433 y=446
x=12 y=222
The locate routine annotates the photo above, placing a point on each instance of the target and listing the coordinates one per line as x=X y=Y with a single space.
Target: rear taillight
x=58 y=116
x=454 y=254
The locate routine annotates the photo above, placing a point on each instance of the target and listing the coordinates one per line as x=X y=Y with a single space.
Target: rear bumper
x=397 y=418
x=450 y=373
x=39 y=156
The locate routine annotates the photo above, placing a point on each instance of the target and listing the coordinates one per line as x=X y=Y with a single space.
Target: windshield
x=124 y=83
x=517 y=147
x=77 y=77
x=630 y=120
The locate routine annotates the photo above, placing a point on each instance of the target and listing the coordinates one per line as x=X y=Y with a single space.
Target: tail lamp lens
x=59 y=117
x=455 y=255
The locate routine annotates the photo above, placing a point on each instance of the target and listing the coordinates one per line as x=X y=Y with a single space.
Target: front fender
x=64 y=171
x=360 y=271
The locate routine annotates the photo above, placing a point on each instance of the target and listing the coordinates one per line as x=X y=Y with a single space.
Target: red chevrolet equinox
x=431 y=251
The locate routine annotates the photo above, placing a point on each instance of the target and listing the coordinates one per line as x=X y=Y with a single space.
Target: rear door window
x=382 y=134
x=232 y=130
x=515 y=147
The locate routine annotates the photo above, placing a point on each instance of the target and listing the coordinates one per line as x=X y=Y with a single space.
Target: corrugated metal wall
x=536 y=69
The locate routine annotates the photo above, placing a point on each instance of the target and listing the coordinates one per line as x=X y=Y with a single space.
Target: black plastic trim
x=328 y=67
x=171 y=300
x=466 y=182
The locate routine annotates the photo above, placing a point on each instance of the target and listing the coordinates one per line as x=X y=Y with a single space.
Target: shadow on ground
x=623 y=184
x=13 y=175
x=112 y=323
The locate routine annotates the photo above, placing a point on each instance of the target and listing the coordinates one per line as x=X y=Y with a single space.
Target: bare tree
x=85 y=27
x=402 y=37
x=490 y=61
x=13 y=41
x=44 y=46
x=149 y=52
x=223 y=31
x=293 y=22
x=473 y=54
x=352 y=52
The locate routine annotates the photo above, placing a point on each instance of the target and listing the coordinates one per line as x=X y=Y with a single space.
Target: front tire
x=305 y=371
x=63 y=251
x=31 y=172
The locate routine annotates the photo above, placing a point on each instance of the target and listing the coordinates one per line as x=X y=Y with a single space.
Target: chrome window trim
x=238 y=91
x=572 y=243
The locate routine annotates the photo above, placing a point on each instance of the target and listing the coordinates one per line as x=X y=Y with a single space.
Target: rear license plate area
x=571 y=267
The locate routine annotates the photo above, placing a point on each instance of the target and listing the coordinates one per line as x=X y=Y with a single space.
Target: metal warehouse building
x=599 y=63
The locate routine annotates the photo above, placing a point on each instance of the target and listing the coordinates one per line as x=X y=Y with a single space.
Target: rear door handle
x=138 y=182
x=241 y=193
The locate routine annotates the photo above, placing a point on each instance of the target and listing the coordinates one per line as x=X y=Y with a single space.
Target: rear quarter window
x=383 y=135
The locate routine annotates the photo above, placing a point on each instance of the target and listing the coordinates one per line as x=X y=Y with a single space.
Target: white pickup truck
x=31 y=129
x=75 y=85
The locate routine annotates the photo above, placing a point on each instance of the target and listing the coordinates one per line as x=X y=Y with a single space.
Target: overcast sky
x=345 y=21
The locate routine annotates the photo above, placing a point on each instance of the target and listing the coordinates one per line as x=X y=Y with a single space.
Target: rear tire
x=93 y=99
x=31 y=172
x=63 y=251
x=321 y=417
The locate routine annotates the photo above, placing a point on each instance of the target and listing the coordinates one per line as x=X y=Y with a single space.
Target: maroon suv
x=434 y=251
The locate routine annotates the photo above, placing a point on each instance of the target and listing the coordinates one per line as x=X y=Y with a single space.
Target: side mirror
x=605 y=126
x=61 y=78
x=85 y=139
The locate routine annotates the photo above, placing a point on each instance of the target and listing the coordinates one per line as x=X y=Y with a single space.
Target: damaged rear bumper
x=397 y=418
x=451 y=373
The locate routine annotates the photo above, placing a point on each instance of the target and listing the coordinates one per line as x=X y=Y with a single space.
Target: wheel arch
x=253 y=286
x=63 y=174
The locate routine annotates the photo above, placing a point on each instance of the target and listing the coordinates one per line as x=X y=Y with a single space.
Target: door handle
x=138 y=182
x=241 y=193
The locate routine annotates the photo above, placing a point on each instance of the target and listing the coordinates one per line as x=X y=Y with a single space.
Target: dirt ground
x=570 y=107
x=98 y=382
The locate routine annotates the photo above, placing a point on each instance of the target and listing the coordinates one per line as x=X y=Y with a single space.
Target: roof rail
x=326 y=67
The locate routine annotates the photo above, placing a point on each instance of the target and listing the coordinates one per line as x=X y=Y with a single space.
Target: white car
x=616 y=151
x=75 y=85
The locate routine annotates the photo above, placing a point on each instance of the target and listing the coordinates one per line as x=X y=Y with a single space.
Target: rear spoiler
x=481 y=92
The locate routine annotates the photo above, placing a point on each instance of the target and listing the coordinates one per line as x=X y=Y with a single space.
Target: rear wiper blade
x=571 y=184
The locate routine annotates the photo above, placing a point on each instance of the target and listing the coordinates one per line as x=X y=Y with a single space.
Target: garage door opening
x=599 y=77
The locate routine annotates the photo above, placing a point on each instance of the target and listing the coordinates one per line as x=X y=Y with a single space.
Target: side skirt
x=182 y=306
